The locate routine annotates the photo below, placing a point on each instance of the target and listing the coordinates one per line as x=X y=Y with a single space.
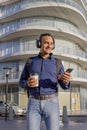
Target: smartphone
x=69 y=70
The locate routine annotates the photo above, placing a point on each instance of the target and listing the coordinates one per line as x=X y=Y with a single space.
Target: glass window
x=83 y=97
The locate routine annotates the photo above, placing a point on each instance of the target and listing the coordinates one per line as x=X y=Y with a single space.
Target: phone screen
x=69 y=70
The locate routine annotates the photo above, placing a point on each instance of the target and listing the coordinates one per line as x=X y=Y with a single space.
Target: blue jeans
x=47 y=109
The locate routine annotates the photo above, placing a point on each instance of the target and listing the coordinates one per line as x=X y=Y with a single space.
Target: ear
x=38 y=43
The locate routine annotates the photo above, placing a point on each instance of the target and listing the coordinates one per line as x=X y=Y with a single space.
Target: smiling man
x=43 y=99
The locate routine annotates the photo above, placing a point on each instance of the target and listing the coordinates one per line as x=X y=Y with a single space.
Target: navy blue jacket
x=48 y=76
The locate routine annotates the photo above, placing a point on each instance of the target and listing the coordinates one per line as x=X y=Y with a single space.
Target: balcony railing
x=31 y=48
x=57 y=24
x=19 y=6
x=12 y=75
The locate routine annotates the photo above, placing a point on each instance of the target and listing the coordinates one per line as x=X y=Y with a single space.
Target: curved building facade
x=21 y=23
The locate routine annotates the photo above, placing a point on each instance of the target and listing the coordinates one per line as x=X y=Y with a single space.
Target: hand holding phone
x=69 y=70
x=66 y=76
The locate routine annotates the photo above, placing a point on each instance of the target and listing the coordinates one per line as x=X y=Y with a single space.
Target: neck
x=45 y=55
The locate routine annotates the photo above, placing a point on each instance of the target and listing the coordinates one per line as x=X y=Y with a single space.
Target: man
x=43 y=100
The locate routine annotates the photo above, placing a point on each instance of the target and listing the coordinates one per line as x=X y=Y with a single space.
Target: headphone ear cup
x=38 y=44
x=53 y=43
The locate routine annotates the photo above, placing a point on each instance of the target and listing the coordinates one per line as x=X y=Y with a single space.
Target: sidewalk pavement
x=20 y=124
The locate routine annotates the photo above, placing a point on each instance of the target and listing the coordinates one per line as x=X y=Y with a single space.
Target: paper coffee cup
x=36 y=76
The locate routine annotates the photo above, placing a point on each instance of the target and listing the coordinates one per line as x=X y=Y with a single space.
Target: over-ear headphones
x=38 y=42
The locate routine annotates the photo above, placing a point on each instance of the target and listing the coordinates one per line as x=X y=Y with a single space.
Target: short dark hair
x=46 y=34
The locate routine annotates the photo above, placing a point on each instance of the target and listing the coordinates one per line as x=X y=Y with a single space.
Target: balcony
x=34 y=25
x=56 y=8
x=24 y=50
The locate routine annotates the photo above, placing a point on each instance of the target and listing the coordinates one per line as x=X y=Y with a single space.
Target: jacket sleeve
x=24 y=77
x=62 y=84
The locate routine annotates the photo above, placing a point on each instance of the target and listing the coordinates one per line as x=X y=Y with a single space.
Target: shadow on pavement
x=19 y=123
